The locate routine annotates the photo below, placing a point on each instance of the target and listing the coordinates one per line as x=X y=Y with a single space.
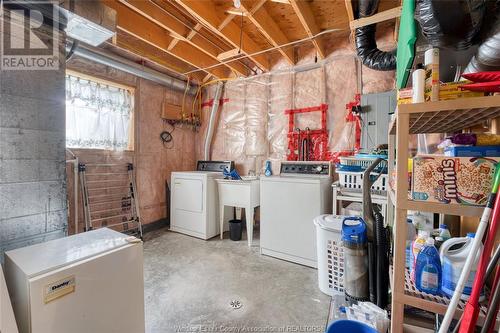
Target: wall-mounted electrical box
x=171 y=111
x=375 y=116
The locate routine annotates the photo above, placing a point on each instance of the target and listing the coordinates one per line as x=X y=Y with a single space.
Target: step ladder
x=109 y=194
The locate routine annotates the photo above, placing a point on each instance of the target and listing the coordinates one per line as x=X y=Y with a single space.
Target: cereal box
x=462 y=180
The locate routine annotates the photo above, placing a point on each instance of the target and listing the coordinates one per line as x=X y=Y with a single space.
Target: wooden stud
x=306 y=17
x=145 y=53
x=228 y=54
x=350 y=12
x=268 y=27
x=206 y=13
x=153 y=34
x=379 y=17
x=150 y=11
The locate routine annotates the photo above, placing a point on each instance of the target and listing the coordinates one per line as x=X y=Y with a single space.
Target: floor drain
x=235 y=304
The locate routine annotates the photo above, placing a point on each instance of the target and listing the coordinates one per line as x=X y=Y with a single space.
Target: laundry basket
x=330 y=254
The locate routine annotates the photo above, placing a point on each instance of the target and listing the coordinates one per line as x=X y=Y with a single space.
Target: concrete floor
x=189 y=284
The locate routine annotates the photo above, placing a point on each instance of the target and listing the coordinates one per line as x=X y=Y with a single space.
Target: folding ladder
x=109 y=195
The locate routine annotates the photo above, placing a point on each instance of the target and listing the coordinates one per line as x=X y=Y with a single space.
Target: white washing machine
x=195 y=200
x=288 y=205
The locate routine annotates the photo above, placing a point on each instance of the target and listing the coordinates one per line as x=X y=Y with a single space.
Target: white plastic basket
x=354 y=181
x=362 y=162
x=330 y=254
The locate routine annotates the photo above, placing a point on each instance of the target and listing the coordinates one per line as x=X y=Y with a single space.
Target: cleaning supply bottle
x=268 y=170
x=416 y=246
x=410 y=236
x=444 y=232
x=428 y=272
x=453 y=254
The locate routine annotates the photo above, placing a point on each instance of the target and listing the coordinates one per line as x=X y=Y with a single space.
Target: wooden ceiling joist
x=142 y=28
x=179 y=31
x=304 y=13
x=158 y=57
x=268 y=28
x=206 y=13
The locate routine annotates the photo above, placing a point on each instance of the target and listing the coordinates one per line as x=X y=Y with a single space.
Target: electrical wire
x=166 y=137
x=243 y=55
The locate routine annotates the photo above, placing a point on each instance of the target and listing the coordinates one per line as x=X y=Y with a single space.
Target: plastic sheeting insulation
x=253 y=126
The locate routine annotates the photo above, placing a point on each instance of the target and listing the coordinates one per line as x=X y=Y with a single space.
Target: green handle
x=496 y=179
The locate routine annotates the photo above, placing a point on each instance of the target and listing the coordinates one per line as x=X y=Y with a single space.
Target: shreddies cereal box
x=463 y=180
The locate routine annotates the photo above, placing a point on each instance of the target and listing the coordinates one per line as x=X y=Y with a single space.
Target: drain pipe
x=211 y=121
x=107 y=58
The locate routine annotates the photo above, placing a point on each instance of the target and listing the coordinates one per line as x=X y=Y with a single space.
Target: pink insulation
x=253 y=126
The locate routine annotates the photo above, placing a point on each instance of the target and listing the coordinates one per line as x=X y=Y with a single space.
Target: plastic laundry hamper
x=330 y=254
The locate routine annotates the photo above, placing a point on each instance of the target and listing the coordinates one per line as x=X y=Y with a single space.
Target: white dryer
x=195 y=200
x=288 y=205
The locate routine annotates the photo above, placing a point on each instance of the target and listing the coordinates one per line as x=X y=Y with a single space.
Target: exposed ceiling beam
x=268 y=28
x=376 y=18
x=350 y=11
x=179 y=31
x=145 y=53
x=141 y=28
x=206 y=13
x=304 y=13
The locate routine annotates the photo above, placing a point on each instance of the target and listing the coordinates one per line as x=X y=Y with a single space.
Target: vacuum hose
x=378 y=248
x=382 y=261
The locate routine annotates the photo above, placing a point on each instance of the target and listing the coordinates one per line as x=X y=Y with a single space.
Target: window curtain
x=97 y=116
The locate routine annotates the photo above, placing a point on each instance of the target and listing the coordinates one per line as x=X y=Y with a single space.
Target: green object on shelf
x=406 y=43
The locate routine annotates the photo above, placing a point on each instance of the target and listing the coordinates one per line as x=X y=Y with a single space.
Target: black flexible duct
x=449 y=25
x=366 y=44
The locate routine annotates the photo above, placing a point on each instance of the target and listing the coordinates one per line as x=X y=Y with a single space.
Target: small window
x=98 y=115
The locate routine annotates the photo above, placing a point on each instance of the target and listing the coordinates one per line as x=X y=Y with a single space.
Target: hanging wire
x=241 y=33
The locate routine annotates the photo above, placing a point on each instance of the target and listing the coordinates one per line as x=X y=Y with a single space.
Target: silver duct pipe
x=487 y=57
x=211 y=121
x=112 y=60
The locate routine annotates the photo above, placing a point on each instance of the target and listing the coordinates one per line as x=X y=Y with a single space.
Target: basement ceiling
x=207 y=39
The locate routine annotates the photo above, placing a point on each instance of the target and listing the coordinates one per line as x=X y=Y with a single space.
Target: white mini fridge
x=89 y=282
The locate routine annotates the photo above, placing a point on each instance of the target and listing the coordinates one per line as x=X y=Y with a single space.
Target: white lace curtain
x=97 y=116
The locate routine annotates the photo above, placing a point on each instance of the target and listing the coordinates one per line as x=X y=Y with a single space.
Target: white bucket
x=330 y=254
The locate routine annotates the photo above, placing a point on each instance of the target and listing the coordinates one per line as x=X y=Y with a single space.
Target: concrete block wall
x=33 y=204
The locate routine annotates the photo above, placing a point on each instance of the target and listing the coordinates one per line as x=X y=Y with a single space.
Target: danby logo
x=449 y=181
x=29 y=36
x=60 y=285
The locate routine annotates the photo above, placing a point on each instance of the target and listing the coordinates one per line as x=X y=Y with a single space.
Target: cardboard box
x=459 y=180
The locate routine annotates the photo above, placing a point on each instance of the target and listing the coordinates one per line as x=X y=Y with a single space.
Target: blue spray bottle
x=268 y=172
x=428 y=272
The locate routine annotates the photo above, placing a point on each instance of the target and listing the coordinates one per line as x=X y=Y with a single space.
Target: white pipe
x=211 y=121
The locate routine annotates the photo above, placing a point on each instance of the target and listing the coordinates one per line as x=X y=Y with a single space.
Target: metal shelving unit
x=431 y=117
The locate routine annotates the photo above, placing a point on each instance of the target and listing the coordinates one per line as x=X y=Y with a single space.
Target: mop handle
x=476 y=244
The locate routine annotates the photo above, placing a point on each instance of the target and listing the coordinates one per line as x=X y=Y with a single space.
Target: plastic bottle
x=431 y=62
x=268 y=172
x=410 y=236
x=418 y=84
x=416 y=246
x=444 y=232
x=453 y=254
x=428 y=272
